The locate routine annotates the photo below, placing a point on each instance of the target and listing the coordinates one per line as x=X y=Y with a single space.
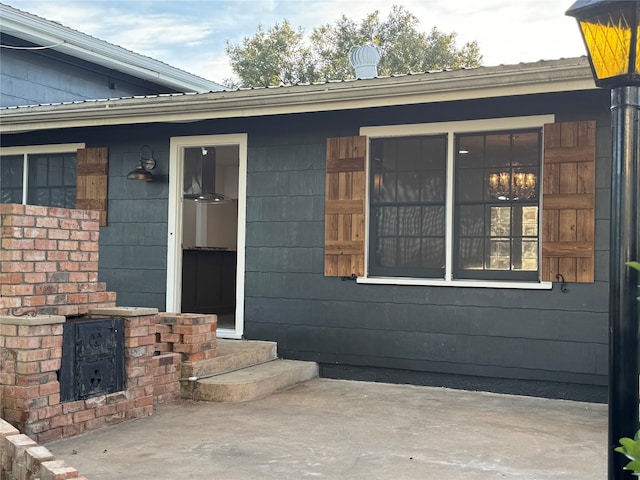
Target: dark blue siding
x=522 y=338
x=133 y=246
x=524 y=341
x=45 y=76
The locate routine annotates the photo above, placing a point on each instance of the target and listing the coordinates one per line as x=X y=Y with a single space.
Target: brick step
x=253 y=382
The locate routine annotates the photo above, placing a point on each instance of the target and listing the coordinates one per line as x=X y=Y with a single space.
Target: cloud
x=192 y=35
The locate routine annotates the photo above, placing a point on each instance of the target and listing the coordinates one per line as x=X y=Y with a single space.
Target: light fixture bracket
x=148 y=163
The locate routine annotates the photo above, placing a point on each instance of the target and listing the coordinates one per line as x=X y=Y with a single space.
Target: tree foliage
x=281 y=55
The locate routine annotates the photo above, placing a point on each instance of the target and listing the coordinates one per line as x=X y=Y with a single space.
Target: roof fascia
x=71 y=42
x=484 y=82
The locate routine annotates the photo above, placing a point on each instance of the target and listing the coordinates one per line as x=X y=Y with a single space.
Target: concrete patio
x=336 y=429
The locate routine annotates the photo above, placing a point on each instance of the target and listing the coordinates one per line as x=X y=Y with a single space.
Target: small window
x=52 y=180
x=39 y=178
x=11 y=170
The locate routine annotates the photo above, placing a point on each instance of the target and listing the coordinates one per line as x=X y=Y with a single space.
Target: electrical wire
x=13 y=47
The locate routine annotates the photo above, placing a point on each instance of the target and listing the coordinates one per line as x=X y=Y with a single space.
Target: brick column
x=49 y=261
x=31 y=356
x=191 y=334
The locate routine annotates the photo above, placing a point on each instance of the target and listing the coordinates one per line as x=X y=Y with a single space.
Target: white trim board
x=174 y=234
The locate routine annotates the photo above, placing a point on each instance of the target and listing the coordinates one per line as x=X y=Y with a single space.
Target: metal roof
x=484 y=82
x=44 y=32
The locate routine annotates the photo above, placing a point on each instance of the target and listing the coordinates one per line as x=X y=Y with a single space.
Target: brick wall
x=22 y=458
x=49 y=261
x=191 y=334
x=48 y=271
x=31 y=352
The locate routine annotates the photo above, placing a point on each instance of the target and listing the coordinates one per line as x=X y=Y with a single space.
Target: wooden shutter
x=92 y=169
x=568 y=201
x=344 y=207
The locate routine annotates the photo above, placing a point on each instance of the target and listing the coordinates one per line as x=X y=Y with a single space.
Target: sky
x=192 y=34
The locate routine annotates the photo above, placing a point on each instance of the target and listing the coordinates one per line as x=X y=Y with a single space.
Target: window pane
x=52 y=180
x=433 y=221
x=408 y=187
x=385 y=220
x=409 y=253
x=498 y=253
x=496 y=197
x=470 y=185
x=526 y=149
x=433 y=253
x=471 y=253
x=433 y=186
x=407 y=213
x=500 y=222
x=471 y=221
x=498 y=150
x=528 y=255
x=530 y=221
x=11 y=179
x=470 y=151
x=409 y=220
x=386 y=252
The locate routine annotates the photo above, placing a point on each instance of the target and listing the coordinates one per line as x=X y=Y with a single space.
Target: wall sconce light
x=146 y=163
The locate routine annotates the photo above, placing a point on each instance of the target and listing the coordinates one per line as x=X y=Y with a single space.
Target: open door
x=205 y=263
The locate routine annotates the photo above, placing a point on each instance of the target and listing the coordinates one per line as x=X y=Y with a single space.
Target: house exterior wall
x=539 y=342
x=536 y=342
x=32 y=77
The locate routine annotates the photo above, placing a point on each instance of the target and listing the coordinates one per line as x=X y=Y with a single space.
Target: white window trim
x=450 y=129
x=27 y=150
x=174 y=247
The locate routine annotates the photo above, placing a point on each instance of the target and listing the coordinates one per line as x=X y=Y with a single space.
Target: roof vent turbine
x=365 y=60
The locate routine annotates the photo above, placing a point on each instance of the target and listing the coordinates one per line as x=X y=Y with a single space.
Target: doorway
x=207 y=198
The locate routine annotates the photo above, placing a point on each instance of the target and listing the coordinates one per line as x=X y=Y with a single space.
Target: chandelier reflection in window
x=512 y=186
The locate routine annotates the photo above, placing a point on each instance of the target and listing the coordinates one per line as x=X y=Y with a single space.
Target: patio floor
x=336 y=429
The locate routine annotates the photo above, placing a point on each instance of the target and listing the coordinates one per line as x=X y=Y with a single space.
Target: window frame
x=27 y=150
x=450 y=129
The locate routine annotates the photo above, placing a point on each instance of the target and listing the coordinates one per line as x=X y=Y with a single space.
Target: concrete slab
x=336 y=429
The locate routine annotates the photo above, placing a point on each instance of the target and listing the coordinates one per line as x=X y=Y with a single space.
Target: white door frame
x=174 y=239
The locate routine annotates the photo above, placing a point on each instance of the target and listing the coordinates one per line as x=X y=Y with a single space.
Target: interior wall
x=222 y=225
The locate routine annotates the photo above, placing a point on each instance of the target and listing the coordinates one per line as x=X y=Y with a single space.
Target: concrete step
x=231 y=355
x=253 y=382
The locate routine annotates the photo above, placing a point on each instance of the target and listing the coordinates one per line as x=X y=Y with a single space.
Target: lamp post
x=611 y=33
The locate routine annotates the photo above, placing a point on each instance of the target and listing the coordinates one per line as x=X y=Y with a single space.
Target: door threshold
x=228 y=333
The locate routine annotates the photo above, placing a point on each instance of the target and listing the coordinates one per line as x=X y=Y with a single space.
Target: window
x=64 y=176
x=482 y=186
x=39 y=175
x=407 y=183
x=462 y=203
x=496 y=205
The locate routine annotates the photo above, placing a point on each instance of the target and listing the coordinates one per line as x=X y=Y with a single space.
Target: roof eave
x=484 y=82
x=71 y=42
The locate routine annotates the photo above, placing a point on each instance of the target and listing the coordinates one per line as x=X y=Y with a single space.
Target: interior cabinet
x=208 y=280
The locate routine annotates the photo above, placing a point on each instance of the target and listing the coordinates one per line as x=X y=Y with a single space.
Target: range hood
x=200 y=176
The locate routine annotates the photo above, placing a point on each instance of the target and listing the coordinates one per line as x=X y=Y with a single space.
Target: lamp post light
x=611 y=33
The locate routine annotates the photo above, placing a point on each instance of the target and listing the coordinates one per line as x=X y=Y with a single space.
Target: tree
x=276 y=56
x=283 y=56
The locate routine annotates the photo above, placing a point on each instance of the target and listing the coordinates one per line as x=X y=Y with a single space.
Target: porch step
x=254 y=382
x=231 y=355
x=242 y=371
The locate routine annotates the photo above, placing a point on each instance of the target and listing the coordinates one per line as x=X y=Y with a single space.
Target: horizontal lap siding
x=502 y=333
x=133 y=248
